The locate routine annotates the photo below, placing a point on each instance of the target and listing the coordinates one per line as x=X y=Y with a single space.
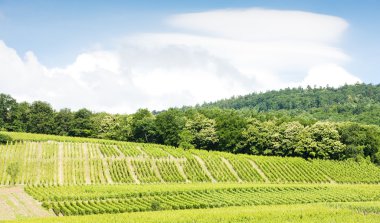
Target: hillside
x=81 y=176
x=246 y=157
x=357 y=103
x=278 y=123
x=77 y=162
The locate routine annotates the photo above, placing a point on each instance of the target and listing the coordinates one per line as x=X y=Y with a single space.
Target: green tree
x=123 y=131
x=169 y=124
x=63 y=122
x=143 y=126
x=108 y=127
x=82 y=124
x=249 y=138
x=292 y=136
x=186 y=140
x=7 y=105
x=261 y=138
x=40 y=118
x=203 y=132
x=96 y=120
x=229 y=127
x=361 y=140
x=327 y=139
x=20 y=118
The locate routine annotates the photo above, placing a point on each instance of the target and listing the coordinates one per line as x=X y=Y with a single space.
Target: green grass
x=306 y=213
x=362 y=207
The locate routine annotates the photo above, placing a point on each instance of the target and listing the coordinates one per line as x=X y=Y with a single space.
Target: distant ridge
x=358 y=103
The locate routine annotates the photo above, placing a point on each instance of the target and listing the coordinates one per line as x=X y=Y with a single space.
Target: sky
x=119 y=56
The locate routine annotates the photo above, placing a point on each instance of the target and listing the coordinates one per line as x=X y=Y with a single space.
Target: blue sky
x=56 y=33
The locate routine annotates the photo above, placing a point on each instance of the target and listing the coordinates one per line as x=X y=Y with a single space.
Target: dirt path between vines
x=178 y=163
x=16 y=203
x=156 y=171
x=204 y=168
x=106 y=169
x=231 y=168
x=259 y=171
x=87 y=173
x=132 y=171
x=121 y=154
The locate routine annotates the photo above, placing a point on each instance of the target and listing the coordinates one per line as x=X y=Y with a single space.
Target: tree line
x=357 y=103
x=210 y=128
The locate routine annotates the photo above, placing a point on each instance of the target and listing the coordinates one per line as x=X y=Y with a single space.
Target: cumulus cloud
x=213 y=55
x=262 y=62
x=329 y=74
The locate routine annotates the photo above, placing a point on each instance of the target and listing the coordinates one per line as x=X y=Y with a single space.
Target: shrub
x=5 y=138
x=155 y=205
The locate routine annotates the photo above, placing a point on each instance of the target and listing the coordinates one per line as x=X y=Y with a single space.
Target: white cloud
x=220 y=54
x=263 y=25
x=255 y=60
x=329 y=74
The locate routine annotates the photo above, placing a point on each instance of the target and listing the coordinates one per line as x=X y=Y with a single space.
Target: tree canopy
x=325 y=123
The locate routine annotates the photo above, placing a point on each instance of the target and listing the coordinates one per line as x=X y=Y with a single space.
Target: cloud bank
x=212 y=55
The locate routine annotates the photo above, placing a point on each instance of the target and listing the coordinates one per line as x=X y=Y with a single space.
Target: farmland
x=74 y=200
x=305 y=213
x=51 y=162
x=75 y=176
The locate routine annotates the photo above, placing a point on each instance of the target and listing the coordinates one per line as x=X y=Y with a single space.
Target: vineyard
x=76 y=176
x=297 y=213
x=75 y=162
x=120 y=199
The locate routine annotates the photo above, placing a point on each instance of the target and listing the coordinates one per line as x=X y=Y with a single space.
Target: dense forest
x=325 y=123
x=357 y=103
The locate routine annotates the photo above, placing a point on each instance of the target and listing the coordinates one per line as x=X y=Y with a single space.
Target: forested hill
x=358 y=103
x=323 y=123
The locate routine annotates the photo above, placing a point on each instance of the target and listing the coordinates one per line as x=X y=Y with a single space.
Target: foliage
x=63 y=121
x=94 y=161
x=324 y=123
x=40 y=118
x=199 y=132
x=169 y=125
x=82 y=124
x=349 y=171
x=359 y=103
x=155 y=206
x=4 y=139
x=7 y=106
x=13 y=170
x=80 y=200
x=143 y=128
x=229 y=125
x=186 y=139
